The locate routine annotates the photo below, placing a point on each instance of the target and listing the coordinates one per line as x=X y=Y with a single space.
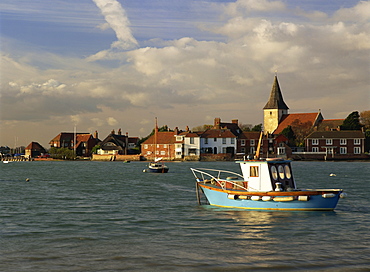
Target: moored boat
x=265 y=184
x=158 y=167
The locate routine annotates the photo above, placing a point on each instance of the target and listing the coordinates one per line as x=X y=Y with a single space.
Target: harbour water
x=110 y=216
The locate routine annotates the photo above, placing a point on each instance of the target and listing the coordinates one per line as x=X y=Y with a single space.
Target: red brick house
x=84 y=142
x=163 y=145
x=345 y=144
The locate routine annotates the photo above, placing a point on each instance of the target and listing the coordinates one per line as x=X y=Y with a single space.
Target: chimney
x=113 y=132
x=176 y=131
x=187 y=128
x=234 y=121
x=96 y=134
x=217 y=123
x=119 y=132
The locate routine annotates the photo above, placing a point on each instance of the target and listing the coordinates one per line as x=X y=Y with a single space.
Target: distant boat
x=158 y=166
x=265 y=184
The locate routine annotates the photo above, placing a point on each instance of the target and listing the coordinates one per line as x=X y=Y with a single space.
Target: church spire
x=276 y=100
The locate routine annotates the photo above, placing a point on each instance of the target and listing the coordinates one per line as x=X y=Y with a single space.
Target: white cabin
x=262 y=175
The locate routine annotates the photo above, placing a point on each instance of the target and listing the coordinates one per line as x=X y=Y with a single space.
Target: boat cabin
x=268 y=175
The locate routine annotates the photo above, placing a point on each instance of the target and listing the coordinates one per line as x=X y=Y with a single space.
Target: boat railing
x=222 y=178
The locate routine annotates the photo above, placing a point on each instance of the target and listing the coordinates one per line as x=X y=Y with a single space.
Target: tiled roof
x=163 y=137
x=34 y=146
x=330 y=124
x=217 y=133
x=337 y=134
x=250 y=135
x=276 y=100
x=288 y=119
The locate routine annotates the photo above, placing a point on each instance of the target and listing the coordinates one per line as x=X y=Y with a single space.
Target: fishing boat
x=265 y=184
x=158 y=166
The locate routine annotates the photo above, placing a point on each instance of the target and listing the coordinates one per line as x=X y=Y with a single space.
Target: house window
x=163 y=152
x=215 y=139
x=164 y=146
x=157 y=145
x=357 y=150
x=242 y=150
x=223 y=140
x=329 y=141
x=242 y=142
x=357 y=142
x=206 y=140
x=252 y=150
x=232 y=140
x=254 y=171
x=252 y=142
x=343 y=142
x=343 y=150
x=191 y=140
x=148 y=152
x=178 y=138
x=315 y=149
x=315 y=141
x=146 y=146
x=224 y=150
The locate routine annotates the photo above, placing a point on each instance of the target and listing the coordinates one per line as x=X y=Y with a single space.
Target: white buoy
x=332 y=175
x=27 y=179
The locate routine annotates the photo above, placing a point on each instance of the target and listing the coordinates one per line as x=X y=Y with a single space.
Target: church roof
x=276 y=100
x=288 y=119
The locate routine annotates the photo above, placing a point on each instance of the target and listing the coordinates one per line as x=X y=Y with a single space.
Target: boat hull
x=310 y=200
x=158 y=170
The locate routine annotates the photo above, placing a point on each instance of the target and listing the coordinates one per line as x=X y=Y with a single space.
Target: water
x=110 y=216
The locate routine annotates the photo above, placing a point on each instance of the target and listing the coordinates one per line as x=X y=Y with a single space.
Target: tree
x=257 y=127
x=301 y=131
x=94 y=150
x=62 y=153
x=202 y=128
x=289 y=133
x=352 y=122
x=245 y=127
x=365 y=119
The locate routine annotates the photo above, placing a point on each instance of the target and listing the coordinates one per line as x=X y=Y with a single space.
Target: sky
x=100 y=65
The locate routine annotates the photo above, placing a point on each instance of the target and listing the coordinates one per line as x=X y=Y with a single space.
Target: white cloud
x=112 y=121
x=117 y=19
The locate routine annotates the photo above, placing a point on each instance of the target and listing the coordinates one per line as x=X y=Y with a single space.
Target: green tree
x=94 y=150
x=257 y=128
x=352 y=122
x=289 y=133
x=62 y=153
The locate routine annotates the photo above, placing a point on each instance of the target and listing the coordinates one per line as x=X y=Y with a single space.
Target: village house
x=346 y=144
x=167 y=145
x=84 y=142
x=33 y=150
x=118 y=144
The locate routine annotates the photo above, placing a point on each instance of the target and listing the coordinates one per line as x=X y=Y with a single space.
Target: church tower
x=274 y=109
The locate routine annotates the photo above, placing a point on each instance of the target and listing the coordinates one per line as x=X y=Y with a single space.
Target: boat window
x=254 y=171
x=274 y=172
x=288 y=174
x=281 y=171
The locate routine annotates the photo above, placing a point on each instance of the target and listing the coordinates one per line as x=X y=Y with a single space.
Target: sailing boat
x=157 y=166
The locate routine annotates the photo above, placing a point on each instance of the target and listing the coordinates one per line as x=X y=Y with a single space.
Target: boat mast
x=257 y=156
x=155 y=138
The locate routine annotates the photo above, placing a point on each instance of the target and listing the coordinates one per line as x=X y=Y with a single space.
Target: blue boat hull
x=314 y=202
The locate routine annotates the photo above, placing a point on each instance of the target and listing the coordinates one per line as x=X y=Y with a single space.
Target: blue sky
x=109 y=64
